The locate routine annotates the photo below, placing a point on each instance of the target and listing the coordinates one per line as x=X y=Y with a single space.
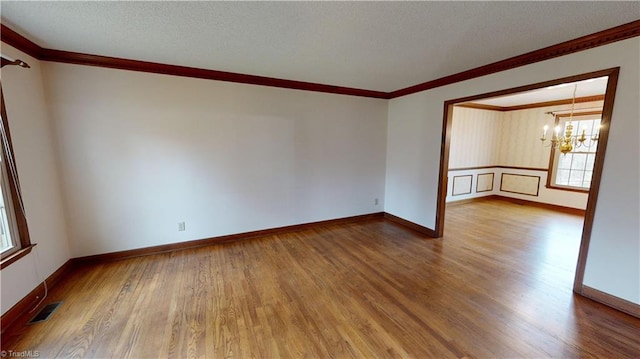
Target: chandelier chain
x=573 y=102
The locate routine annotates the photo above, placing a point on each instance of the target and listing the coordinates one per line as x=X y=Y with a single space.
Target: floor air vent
x=45 y=313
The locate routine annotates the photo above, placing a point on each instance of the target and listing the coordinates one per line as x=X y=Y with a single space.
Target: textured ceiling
x=381 y=46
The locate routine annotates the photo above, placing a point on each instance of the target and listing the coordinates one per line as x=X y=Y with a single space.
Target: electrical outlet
x=182 y=226
x=376 y=201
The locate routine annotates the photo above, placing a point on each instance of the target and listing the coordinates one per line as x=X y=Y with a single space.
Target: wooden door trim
x=607 y=110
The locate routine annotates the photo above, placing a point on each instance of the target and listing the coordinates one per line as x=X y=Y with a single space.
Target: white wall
x=141 y=152
x=414 y=137
x=34 y=149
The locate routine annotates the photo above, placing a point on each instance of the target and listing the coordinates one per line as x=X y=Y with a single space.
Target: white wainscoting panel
x=522 y=184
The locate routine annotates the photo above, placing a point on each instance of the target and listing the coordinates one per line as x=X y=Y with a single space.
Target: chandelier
x=568 y=141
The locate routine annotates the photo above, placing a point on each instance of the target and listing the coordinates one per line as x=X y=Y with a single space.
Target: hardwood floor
x=497 y=285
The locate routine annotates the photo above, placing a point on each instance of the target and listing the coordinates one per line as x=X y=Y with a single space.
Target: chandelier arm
x=567 y=141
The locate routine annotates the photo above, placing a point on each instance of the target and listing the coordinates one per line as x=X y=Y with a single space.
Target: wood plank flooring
x=497 y=285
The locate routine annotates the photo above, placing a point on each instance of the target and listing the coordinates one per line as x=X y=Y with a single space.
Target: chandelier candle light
x=568 y=141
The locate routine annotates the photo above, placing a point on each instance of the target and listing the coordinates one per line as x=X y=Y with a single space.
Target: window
x=574 y=170
x=8 y=243
x=14 y=235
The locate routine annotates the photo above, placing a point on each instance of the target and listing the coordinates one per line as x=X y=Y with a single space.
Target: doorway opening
x=576 y=171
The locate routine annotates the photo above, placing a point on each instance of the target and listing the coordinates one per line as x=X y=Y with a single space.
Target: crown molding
x=20 y=42
x=579 y=113
x=618 y=33
x=165 y=69
x=567 y=101
x=27 y=46
x=605 y=37
x=480 y=106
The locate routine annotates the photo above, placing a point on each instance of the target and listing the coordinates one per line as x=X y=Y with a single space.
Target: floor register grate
x=45 y=313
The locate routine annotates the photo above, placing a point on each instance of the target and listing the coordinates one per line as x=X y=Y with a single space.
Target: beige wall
x=35 y=152
x=137 y=153
x=475 y=135
x=519 y=144
x=141 y=152
x=509 y=138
